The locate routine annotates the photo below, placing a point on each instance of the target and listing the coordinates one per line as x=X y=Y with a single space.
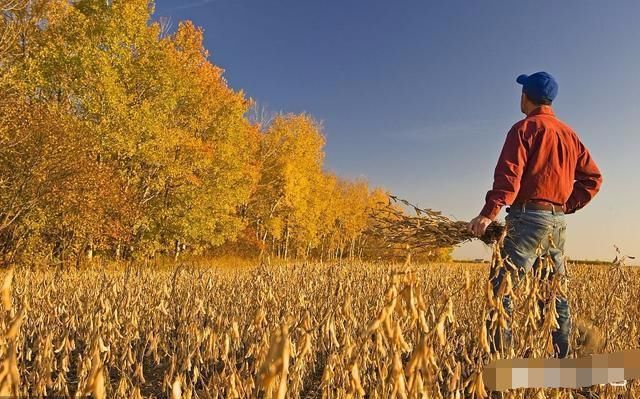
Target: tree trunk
x=177 y=249
x=89 y=249
x=286 y=244
x=352 y=249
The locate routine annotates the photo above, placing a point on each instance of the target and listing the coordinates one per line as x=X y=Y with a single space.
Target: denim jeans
x=530 y=235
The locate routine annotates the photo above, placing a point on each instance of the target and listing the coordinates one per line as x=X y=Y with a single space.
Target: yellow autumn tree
x=298 y=209
x=121 y=139
x=291 y=157
x=157 y=115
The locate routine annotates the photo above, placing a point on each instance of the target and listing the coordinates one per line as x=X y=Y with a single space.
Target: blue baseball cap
x=539 y=86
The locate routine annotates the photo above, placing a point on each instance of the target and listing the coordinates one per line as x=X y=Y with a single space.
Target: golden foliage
x=120 y=140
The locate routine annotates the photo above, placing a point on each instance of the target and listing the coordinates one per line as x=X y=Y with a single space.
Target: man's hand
x=479 y=225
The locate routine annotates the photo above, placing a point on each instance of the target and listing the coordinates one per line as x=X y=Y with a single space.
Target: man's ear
x=525 y=103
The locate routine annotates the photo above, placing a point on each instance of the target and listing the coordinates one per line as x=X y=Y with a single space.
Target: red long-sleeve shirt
x=543 y=159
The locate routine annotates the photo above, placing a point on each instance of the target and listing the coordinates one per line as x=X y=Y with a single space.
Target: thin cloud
x=428 y=134
x=188 y=5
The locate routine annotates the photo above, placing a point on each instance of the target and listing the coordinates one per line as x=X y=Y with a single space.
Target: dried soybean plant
x=11 y=322
x=427 y=230
x=349 y=330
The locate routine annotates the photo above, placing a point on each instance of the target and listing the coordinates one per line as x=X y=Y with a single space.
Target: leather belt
x=538 y=206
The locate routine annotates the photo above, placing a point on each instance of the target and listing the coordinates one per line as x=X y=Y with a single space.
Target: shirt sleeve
x=508 y=174
x=588 y=180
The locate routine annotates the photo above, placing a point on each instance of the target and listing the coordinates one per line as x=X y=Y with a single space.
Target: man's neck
x=538 y=109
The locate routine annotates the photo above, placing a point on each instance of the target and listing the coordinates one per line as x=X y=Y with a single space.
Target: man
x=544 y=172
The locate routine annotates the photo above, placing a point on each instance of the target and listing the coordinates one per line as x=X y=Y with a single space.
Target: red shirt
x=543 y=159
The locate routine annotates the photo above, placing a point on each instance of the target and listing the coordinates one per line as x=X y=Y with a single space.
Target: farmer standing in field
x=543 y=173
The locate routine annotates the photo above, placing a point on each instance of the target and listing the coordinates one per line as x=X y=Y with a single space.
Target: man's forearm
x=504 y=191
x=490 y=210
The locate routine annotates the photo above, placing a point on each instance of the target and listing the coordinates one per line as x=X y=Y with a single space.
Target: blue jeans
x=532 y=234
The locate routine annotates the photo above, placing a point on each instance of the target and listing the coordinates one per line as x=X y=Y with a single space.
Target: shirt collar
x=542 y=110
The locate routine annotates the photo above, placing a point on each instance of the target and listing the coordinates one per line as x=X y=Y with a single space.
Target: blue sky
x=417 y=96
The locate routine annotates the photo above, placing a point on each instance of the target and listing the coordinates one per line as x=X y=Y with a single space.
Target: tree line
x=121 y=138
